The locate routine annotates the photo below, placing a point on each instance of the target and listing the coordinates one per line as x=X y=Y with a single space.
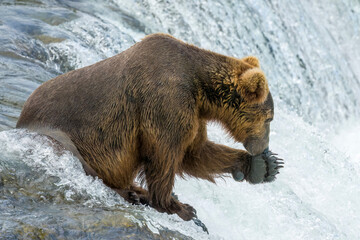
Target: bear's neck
x=217 y=94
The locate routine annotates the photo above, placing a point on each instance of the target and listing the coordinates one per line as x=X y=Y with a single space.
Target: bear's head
x=254 y=122
x=256 y=108
x=237 y=94
x=241 y=100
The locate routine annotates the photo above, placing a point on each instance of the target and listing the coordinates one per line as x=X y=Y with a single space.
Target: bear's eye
x=268 y=120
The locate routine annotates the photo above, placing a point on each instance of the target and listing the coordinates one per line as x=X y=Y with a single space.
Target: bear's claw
x=200 y=224
x=265 y=167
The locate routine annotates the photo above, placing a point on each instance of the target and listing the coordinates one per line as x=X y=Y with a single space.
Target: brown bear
x=144 y=111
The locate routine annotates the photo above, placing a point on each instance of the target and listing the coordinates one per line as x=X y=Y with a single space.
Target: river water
x=310 y=53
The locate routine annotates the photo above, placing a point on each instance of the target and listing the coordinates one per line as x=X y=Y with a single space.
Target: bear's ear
x=252 y=86
x=253 y=61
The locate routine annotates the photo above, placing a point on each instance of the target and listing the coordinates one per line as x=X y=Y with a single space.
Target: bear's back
x=112 y=90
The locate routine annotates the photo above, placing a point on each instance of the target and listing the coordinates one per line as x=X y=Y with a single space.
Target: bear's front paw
x=264 y=167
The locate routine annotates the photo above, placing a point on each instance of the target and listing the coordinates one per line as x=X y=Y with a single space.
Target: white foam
x=308 y=200
x=23 y=147
x=37 y=152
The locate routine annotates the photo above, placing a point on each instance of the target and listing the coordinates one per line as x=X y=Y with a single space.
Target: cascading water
x=310 y=53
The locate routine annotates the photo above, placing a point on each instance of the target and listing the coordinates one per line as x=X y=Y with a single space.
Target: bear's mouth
x=256 y=146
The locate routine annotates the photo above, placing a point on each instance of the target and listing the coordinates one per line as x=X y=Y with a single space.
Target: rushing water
x=310 y=53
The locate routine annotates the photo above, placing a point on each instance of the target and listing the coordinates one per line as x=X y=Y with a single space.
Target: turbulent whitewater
x=310 y=53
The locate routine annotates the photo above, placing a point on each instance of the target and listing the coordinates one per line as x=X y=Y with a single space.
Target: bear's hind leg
x=134 y=194
x=142 y=194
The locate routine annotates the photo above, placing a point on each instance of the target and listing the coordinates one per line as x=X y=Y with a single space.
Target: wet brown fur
x=145 y=110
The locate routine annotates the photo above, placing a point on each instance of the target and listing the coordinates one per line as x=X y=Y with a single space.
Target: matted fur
x=146 y=109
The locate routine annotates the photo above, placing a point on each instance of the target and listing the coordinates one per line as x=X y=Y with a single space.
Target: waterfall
x=310 y=53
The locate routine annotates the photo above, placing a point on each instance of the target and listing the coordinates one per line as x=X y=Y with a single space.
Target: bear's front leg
x=208 y=160
x=160 y=177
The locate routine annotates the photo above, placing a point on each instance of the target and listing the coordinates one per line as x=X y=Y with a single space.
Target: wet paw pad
x=265 y=167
